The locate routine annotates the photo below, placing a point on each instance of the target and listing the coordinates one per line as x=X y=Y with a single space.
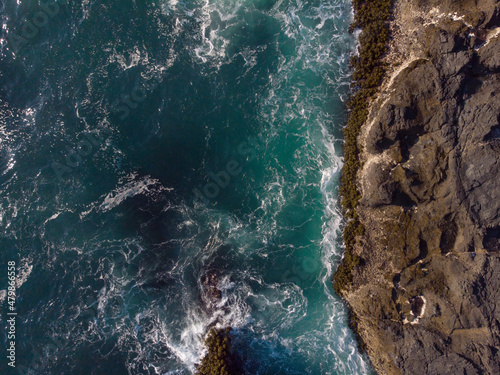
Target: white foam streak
x=129 y=189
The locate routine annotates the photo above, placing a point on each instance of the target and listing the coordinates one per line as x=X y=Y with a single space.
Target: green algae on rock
x=219 y=360
x=372 y=17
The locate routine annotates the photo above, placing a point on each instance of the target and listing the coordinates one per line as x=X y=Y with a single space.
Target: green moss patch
x=372 y=17
x=219 y=360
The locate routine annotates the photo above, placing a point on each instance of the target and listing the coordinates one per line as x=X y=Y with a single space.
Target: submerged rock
x=210 y=293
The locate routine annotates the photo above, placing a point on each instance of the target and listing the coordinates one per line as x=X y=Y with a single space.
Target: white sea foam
x=133 y=58
x=212 y=46
x=24 y=269
x=129 y=189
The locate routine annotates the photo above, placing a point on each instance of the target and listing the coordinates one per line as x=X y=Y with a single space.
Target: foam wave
x=145 y=185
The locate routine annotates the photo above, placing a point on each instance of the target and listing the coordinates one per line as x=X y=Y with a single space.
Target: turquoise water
x=147 y=144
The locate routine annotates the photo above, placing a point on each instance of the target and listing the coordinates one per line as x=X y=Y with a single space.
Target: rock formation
x=426 y=291
x=210 y=292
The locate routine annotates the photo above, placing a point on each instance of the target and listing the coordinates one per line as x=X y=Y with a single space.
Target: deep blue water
x=147 y=144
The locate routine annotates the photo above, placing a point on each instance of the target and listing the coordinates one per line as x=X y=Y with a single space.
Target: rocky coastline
x=422 y=196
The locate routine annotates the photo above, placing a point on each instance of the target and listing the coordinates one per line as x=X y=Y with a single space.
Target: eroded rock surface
x=427 y=293
x=210 y=292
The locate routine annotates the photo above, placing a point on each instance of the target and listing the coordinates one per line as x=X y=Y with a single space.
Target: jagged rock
x=425 y=294
x=210 y=292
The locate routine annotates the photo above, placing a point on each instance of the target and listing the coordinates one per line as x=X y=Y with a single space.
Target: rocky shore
x=425 y=284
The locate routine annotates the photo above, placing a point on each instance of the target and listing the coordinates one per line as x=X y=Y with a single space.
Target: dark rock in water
x=210 y=293
x=426 y=295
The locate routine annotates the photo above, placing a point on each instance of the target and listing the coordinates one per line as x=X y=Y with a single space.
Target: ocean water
x=147 y=145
